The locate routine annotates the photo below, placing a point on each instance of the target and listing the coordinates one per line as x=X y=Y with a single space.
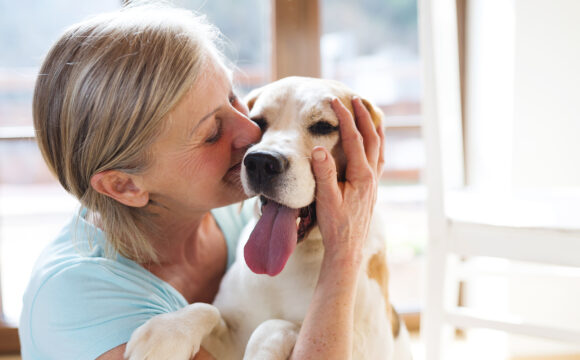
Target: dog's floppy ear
x=251 y=98
x=375 y=112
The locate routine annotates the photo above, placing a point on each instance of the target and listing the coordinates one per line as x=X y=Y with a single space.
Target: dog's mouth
x=305 y=220
x=276 y=234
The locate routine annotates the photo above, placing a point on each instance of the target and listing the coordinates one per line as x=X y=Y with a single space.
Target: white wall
x=523 y=86
x=547 y=94
x=523 y=131
x=489 y=105
x=546 y=147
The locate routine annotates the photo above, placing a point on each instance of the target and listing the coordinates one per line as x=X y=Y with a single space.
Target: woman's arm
x=347 y=207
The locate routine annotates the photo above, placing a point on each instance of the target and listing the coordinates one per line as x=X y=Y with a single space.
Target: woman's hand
x=345 y=209
x=344 y=212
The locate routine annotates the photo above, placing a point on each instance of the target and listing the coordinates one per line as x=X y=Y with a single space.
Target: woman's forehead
x=209 y=92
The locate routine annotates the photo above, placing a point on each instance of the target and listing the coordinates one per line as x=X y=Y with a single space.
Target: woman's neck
x=193 y=258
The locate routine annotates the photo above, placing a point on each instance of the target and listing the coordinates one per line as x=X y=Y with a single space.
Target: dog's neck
x=310 y=248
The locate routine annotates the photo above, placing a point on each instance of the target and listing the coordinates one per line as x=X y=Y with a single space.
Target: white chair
x=534 y=225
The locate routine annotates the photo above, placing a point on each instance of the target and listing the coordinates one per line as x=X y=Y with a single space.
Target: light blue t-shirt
x=80 y=303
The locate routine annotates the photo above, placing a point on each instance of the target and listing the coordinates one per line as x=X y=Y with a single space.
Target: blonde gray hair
x=101 y=98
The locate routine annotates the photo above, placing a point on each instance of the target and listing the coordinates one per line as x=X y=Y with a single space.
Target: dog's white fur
x=261 y=315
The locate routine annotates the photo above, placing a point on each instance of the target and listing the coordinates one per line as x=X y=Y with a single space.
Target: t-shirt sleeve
x=87 y=309
x=249 y=210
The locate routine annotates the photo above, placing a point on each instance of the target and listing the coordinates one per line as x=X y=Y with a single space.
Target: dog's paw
x=272 y=340
x=176 y=335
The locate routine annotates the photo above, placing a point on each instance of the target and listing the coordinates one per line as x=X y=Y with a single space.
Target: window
x=246 y=27
x=33 y=207
x=372 y=46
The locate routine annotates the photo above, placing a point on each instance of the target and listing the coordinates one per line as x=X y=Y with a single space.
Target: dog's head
x=295 y=115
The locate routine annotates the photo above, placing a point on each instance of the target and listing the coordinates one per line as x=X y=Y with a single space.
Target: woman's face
x=197 y=159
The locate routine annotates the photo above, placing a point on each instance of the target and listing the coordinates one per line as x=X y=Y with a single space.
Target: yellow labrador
x=265 y=295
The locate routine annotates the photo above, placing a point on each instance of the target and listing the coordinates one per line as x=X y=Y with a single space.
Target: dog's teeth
x=297 y=221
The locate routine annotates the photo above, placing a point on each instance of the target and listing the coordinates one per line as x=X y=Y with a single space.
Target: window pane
x=27 y=30
x=246 y=27
x=372 y=46
x=33 y=206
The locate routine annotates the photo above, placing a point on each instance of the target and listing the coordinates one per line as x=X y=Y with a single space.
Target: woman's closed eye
x=217 y=129
x=233 y=98
x=216 y=132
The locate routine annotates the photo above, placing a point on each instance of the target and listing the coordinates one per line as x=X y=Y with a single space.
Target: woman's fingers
x=361 y=141
x=367 y=128
x=324 y=169
x=381 y=162
x=352 y=141
x=347 y=206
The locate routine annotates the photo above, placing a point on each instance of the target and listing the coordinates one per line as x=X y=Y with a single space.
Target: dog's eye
x=261 y=122
x=322 y=128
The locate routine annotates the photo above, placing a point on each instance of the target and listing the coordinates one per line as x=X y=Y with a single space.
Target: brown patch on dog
x=252 y=97
x=377 y=270
x=395 y=321
x=375 y=112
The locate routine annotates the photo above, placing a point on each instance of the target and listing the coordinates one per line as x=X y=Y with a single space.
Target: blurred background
x=482 y=120
x=370 y=45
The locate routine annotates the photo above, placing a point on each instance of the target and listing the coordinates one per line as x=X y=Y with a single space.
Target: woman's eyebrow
x=204 y=118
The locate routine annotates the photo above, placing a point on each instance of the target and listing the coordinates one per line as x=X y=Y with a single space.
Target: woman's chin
x=234 y=193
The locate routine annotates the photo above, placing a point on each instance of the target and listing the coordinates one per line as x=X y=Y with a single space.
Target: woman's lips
x=236 y=167
x=233 y=174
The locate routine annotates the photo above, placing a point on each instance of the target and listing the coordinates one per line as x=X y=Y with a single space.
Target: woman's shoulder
x=76 y=293
x=91 y=306
x=74 y=271
x=77 y=251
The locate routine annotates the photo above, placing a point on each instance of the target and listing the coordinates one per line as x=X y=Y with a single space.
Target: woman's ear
x=120 y=186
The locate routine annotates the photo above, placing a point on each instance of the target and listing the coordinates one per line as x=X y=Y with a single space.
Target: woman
x=136 y=116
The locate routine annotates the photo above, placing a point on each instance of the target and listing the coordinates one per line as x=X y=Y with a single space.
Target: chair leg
x=441 y=294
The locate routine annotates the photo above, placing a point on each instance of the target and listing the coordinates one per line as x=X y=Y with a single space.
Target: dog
x=264 y=296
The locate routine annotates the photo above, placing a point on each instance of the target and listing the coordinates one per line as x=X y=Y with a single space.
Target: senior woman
x=136 y=115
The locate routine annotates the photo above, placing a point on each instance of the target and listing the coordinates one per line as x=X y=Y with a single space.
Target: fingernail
x=319 y=155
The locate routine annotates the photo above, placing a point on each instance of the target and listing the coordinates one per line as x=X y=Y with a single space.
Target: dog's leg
x=272 y=340
x=221 y=342
x=177 y=335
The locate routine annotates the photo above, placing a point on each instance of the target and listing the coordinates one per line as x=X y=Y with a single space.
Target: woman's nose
x=246 y=132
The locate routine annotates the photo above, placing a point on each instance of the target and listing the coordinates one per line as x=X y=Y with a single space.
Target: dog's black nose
x=262 y=167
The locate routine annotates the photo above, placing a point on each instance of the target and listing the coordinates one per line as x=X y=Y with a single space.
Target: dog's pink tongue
x=273 y=239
